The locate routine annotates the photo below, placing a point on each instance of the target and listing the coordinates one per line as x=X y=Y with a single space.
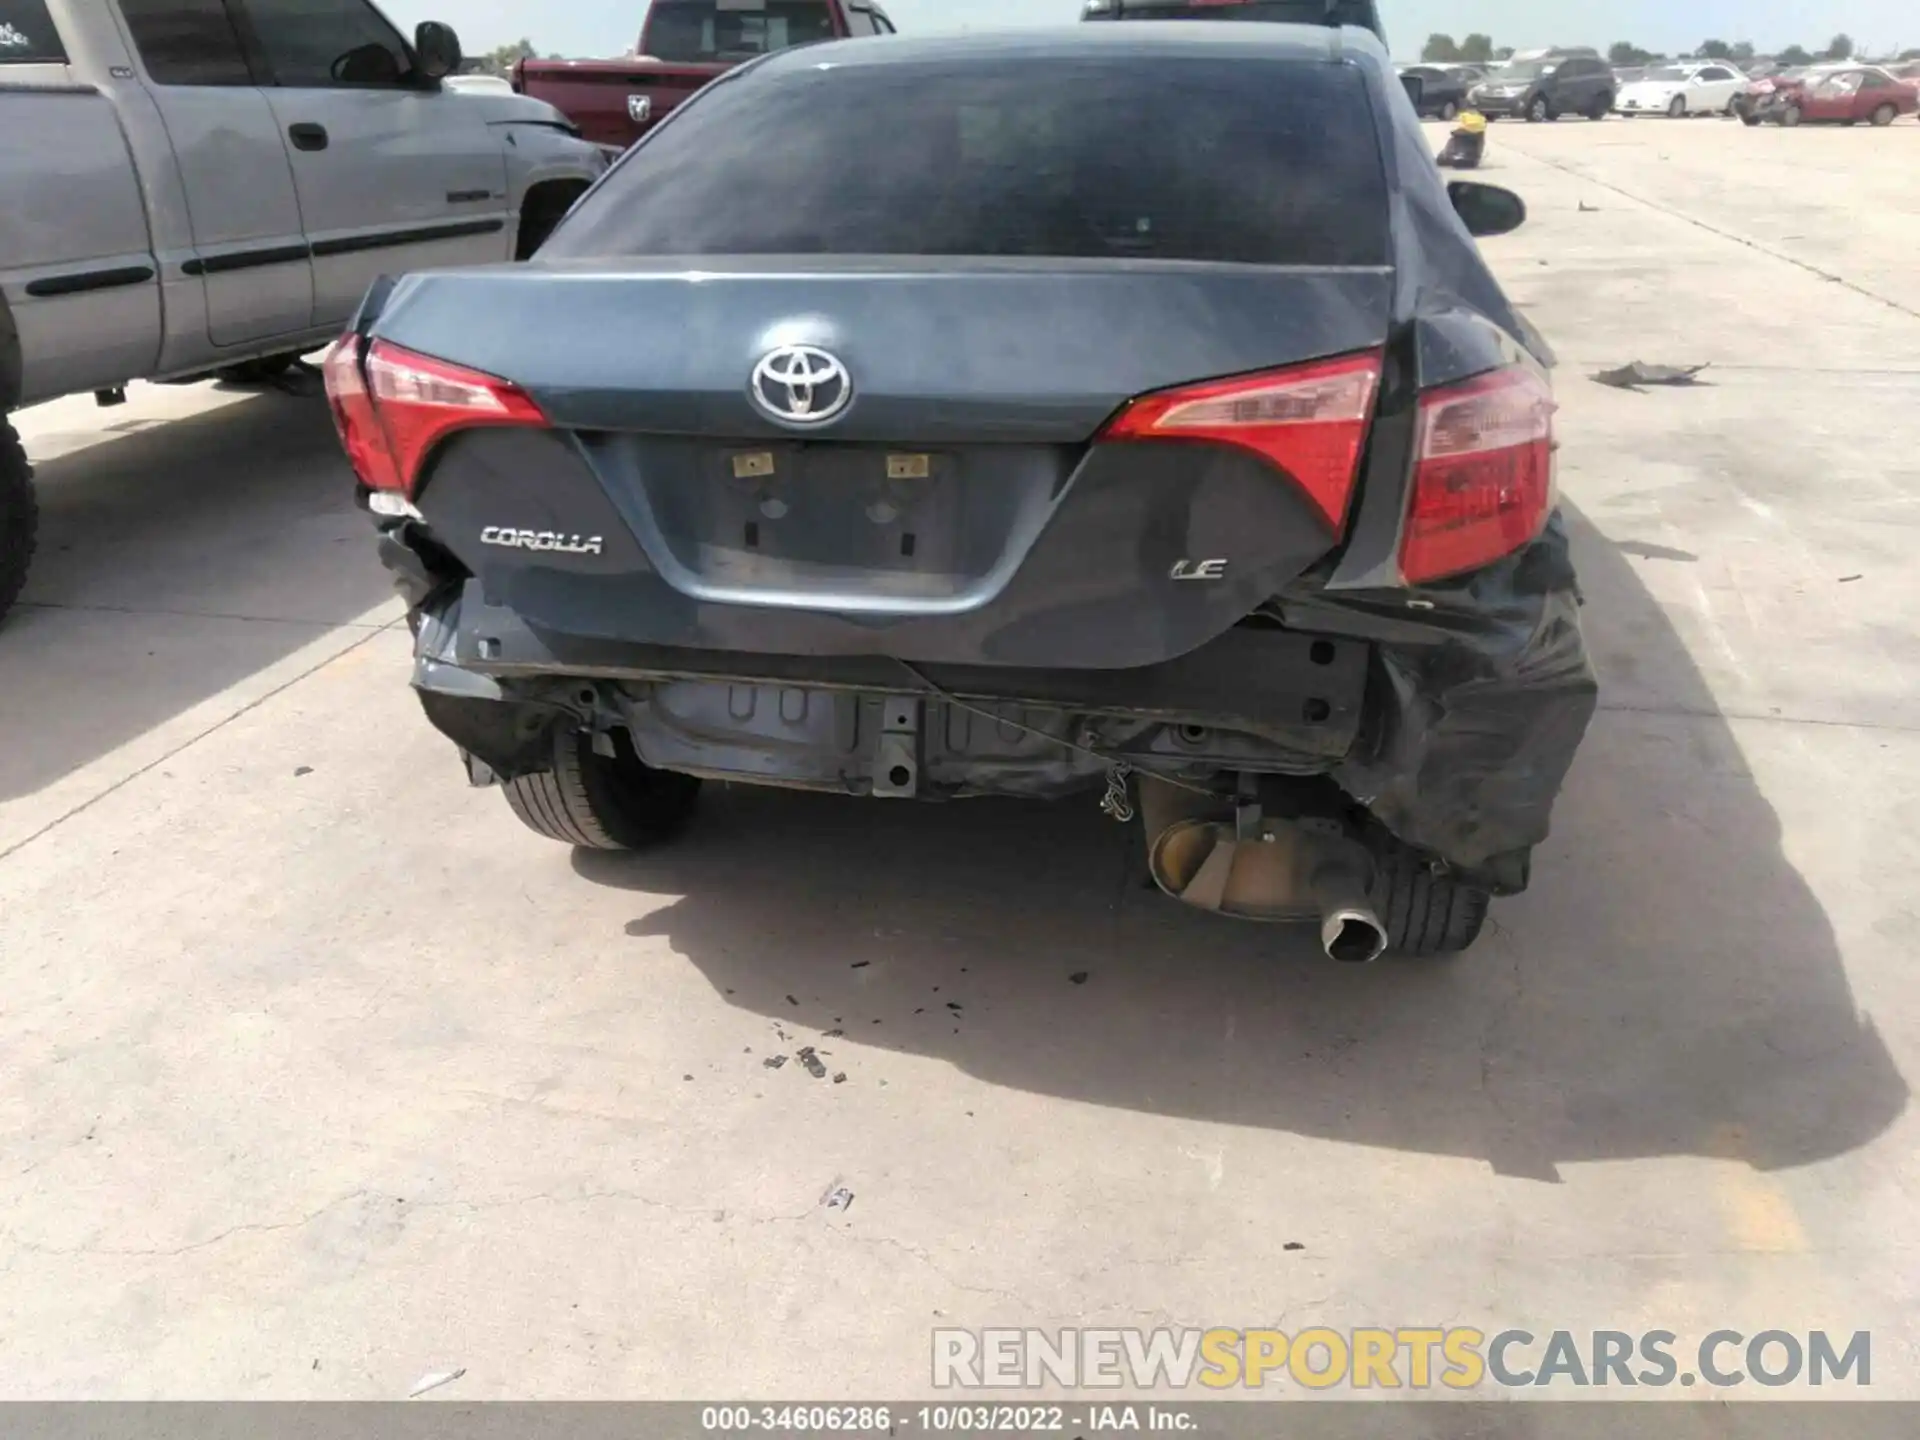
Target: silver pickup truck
x=196 y=187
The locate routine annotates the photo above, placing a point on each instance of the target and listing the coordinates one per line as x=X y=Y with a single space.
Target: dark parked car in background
x=1443 y=88
x=1200 y=469
x=1546 y=89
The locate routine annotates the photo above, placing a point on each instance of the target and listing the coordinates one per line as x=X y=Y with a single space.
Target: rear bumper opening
x=1451 y=720
x=1256 y=700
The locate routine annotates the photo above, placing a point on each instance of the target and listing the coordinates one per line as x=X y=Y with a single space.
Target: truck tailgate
x=614 y=102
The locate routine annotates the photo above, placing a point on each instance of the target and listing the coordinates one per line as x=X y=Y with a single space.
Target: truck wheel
x=1425 y=913
x=1884 y=115
x=595 y=803
x=19 y=517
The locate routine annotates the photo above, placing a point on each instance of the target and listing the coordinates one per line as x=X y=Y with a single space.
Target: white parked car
x=477 y=85
x=1706 y=88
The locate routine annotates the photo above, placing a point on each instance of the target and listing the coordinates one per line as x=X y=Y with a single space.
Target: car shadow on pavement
x=1670 y=986
x=176 y=559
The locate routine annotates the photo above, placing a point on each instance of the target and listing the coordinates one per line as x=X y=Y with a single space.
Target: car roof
x=1143 y=38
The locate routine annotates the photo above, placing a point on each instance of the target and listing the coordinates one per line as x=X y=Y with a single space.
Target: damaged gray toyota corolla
x=1122 y=411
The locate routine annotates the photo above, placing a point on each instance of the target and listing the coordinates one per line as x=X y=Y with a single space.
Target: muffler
x=1252 y=867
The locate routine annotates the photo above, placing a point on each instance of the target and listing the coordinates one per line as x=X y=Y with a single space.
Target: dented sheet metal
x=1491 y=693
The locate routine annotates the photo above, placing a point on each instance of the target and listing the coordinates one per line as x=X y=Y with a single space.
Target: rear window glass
x=1249 y=161
x=692 y=31
x=27 y=36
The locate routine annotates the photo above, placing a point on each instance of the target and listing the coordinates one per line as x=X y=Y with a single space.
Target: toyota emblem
x=800 y=385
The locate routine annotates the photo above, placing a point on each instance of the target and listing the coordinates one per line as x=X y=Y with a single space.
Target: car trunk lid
x=973 y=399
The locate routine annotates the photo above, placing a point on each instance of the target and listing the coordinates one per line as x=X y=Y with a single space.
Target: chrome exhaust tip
x=1350 y=929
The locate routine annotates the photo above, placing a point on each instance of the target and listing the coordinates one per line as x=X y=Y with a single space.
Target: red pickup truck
x=683 y=45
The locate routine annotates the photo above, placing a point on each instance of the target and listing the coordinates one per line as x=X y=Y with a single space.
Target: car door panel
x=393 y=173
x=250 y=250
x=1832 y=99
x=400 y=184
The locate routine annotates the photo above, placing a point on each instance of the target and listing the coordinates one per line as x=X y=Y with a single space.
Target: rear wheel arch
x=542 y=208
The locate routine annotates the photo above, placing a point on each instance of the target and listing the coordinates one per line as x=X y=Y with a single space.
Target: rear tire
x=1449 y=112
x=19 y=517
x=1539 y=110
x=1791 y=116
x=1425 y=912
x=1883 y=117
x=1602 y=108
x=589 y=801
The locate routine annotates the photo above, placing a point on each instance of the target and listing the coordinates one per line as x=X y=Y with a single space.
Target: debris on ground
x=861 y=964
x=1293 y=1245
x=434 y=1380
x=1849 y=579
x=840 y=1077
x=304 y=770
x=812 y=1061
x=953 y=1005
x=1586 y=209
x=839 y=1198
x=774 y=1062
x=1632 y=377
x=792 y=1001
x=1647 y=550
x=1079 y=977
x=835 y=1034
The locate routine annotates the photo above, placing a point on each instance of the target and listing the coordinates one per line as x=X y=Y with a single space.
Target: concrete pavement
x=322 y=1074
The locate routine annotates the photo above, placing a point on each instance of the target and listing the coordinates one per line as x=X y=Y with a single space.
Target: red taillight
x=1483 y=473
x=395 y=408
x=1309 y=420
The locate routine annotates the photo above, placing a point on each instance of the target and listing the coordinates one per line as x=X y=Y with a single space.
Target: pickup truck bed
x=683 y=45
x=98 y=261
x=614 y=102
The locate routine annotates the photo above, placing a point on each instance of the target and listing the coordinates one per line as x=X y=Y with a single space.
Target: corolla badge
x=802 y=386
x=545 y=542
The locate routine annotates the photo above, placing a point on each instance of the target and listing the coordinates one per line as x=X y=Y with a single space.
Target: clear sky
x=609 y=27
